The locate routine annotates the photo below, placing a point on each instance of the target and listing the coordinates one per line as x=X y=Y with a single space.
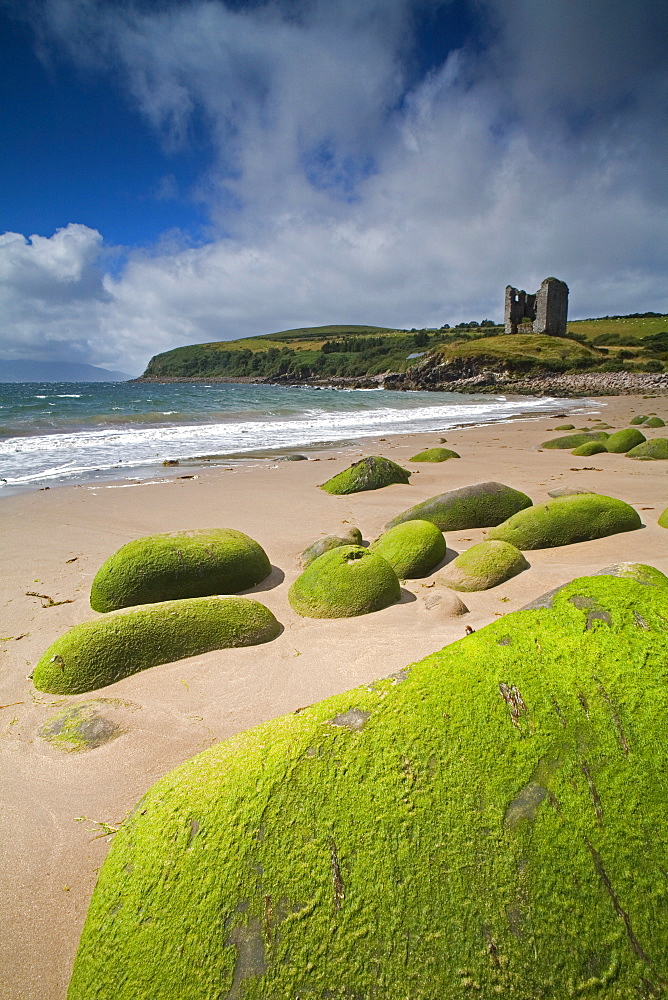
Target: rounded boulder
x=622 y=441
x=344 y=582
x=654 y=450
x=567 y=520
x=372 y=473
x=176 y=565
x=478 y=506
x=589 y=448
x=483 y=566
x=412 y=548
x=103 y=651
x=490 y=822
x=352 y=537
x=434 y=455
x=570 y=441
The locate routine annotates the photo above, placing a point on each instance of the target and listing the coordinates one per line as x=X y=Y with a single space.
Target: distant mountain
x=57 y=371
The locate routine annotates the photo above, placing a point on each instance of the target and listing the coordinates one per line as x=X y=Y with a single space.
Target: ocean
x=57 y=433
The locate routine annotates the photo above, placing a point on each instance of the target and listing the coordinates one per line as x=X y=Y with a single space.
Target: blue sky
x=196 y=170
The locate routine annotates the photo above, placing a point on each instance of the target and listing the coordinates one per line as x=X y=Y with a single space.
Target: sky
x=186 y=171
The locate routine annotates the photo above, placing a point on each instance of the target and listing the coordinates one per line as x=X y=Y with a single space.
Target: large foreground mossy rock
x=352 y=537
x=477 y=506
x=622 y=441
x=567 y=520
x=483 y=566
x=570 y=441
x=176 y=565
x=370 y=473
x=102 y=651
x=589 y=448
x=344 y=582
x=490 y=822
x=655 y=449
x=412 y=548
x=434 y=455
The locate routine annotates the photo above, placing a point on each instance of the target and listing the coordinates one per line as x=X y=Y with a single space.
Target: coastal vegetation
x=634 y=343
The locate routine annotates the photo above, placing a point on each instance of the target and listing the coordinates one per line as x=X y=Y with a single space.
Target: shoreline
x=196 y=464
x=433 y=379
x=57 y=803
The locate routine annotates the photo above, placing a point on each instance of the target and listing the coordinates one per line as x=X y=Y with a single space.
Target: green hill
x=612 y=343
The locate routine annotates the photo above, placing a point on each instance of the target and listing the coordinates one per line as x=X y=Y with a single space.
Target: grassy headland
x=609 y=344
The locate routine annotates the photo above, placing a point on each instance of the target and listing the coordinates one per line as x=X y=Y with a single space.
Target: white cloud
x=337 y=195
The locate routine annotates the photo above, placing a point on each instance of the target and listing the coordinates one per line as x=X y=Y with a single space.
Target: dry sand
x=53 y=543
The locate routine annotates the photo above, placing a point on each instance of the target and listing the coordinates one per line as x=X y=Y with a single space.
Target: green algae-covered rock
x=663 y=518
x=653 y=450
x=570 y=441
x=589 y=448
x=412 y=548
x=655 y=422
x=86 y=725
x=370 y=473
x=622 y=441
x=477 y=506
x=565 y=427
x=434 y=455
x=648 y=576
x=352 y=537
x=483 y=566
x=344 y=582
x=640 y=572
x=178 y=564
x=102 y=651
x=639 y=420
x=491 y=822
x=567 y=520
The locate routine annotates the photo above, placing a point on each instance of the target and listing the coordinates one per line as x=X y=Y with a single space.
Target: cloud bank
x=349 y=182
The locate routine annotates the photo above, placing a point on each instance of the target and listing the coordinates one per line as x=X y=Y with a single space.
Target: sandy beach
x=57 y=807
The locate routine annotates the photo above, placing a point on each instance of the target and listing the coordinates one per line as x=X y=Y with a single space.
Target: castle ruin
x=544 y=312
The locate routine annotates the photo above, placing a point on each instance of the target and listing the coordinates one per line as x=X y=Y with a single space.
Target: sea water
x=62 y=432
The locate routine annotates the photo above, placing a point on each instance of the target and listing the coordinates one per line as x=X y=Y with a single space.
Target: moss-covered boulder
x=177 y=565
x=589 y=448
x=490 y=822
x=641 y=573
x=650 y=576
x=483 y=566
x=663 y=518
x=344 y=582
x=570 y=441
x=102 y=651
x=351 y=537
x=435 y=455
x=370 y=473
x=640 y=419
x=412 y=548
x=654 y=422
x=565 y=427
x=654 y=450
x=567 y=491
x=567 y=520
x=622 y=441
x=477 y=506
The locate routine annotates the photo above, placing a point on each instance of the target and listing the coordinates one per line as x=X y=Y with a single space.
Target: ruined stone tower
x=546 y=311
